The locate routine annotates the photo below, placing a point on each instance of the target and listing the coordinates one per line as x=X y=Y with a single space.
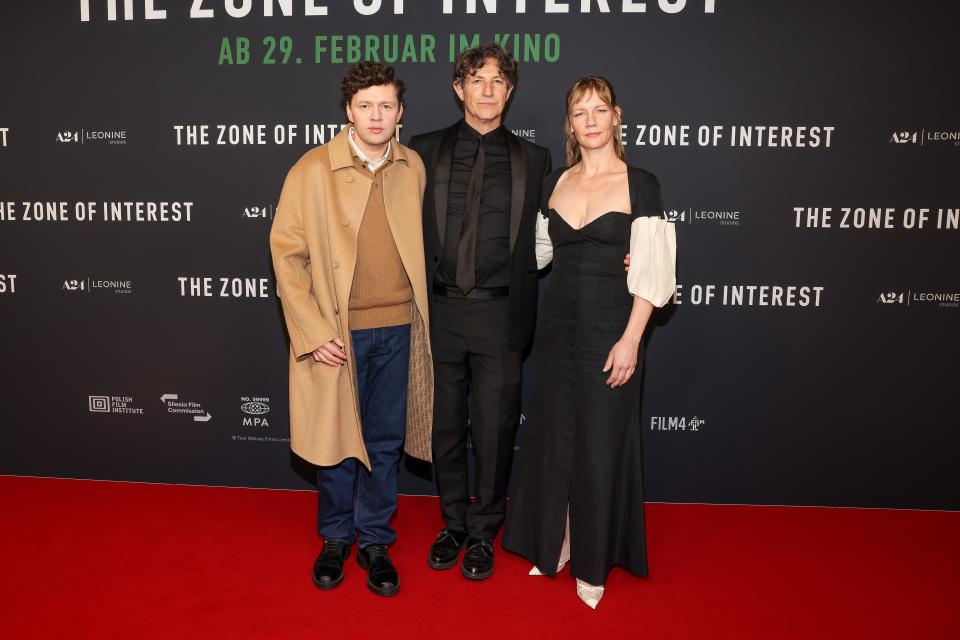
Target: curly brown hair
x=368 y=74
x=469 y=61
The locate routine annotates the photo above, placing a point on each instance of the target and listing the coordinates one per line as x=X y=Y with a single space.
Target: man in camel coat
x=347 y=249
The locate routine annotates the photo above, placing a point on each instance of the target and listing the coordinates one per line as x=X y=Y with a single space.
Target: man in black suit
x=479 y=221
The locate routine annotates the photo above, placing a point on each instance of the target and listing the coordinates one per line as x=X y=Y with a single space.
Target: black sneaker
x=328 y=567
x=382 y=577
x=478 y=560
x=446 y=549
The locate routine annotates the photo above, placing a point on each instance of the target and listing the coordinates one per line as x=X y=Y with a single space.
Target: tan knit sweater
x=381 y=294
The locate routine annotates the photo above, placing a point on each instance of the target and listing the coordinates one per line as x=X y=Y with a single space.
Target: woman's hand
x=622 y=362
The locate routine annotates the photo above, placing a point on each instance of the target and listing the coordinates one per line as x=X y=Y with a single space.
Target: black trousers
x=477 y=387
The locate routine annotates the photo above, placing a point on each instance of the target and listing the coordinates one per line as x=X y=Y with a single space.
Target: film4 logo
x=676 y=423
x=892 y=297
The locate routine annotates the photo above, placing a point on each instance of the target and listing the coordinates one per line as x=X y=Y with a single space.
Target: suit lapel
x=441 y=186
x=518 y=184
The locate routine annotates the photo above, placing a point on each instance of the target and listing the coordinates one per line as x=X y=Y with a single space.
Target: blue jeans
x=353 y=502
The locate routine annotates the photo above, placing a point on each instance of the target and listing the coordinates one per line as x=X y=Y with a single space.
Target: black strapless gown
x=581 y=442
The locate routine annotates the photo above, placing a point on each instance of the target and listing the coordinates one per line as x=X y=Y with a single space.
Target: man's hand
x=626 y=263
x=331 y=353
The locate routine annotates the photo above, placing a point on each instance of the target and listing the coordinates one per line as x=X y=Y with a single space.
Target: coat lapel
x=518 y=184
x=441 y=184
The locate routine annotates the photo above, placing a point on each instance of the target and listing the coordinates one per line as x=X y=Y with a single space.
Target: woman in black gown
x=579 y=495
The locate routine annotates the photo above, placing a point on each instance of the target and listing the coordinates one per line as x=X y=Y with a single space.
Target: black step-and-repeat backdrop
x=808 y=151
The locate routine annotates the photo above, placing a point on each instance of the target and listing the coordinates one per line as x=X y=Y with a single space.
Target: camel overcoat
x=313 y=242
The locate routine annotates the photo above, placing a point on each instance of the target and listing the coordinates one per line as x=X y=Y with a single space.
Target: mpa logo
x=256 y=409
x=892 y=297
x=75 y=285
x=68 y=136
x=265 y=212
x=675 y=216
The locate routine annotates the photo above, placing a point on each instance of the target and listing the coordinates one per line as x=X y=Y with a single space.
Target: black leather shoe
x=478 y=560
x=328 y=567
x=446 y=549
x=382 y=578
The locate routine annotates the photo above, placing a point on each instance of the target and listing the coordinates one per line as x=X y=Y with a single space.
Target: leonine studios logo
x=93 y=285
x=530 y=135
x=91 y=136
x=910 y=298
x=722 y=217
x=925 y=137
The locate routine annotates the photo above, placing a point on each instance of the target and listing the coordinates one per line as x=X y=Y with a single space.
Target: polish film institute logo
x=100 y=404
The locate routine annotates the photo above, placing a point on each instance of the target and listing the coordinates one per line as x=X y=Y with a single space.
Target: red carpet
x=111 y=560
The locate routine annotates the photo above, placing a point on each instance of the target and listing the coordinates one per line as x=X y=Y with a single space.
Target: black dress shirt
x=493 y=230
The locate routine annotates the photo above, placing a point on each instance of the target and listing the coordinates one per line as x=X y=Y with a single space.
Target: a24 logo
x=905 y=137
x=68 y=136
x=892 y=297
x=74 y=285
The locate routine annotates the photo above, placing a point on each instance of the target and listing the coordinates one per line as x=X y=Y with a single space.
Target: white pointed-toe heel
x=589 y=593
x=535 y=570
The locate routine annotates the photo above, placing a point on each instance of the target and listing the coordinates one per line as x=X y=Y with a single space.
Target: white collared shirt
x=373 y=165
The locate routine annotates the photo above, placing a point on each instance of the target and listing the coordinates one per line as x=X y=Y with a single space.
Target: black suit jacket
x=529 y=165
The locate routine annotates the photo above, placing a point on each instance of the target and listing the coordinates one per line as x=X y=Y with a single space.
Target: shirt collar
x=373 y=165
x=470 y=133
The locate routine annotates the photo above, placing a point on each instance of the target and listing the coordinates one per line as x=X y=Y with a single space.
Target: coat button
x=349 y=178
x=344 y=221
x=336 y=265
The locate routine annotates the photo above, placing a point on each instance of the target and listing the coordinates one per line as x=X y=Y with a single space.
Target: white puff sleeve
x=653 y=256
x=544 y=246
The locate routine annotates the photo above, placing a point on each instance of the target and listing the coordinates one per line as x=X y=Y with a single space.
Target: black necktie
x=467 y=247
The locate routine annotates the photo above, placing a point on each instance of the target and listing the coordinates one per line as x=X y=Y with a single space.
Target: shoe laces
x=333 y=547
x=375 y=551
x=483 y=549
x=446 y=533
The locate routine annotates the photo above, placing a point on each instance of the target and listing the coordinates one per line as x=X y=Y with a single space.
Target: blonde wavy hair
x=577 y=92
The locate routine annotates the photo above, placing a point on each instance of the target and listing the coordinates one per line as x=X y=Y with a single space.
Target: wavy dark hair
x=469 y=61
x=368 y=74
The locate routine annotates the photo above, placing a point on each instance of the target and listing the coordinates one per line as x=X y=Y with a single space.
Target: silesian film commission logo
x=90 y=136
